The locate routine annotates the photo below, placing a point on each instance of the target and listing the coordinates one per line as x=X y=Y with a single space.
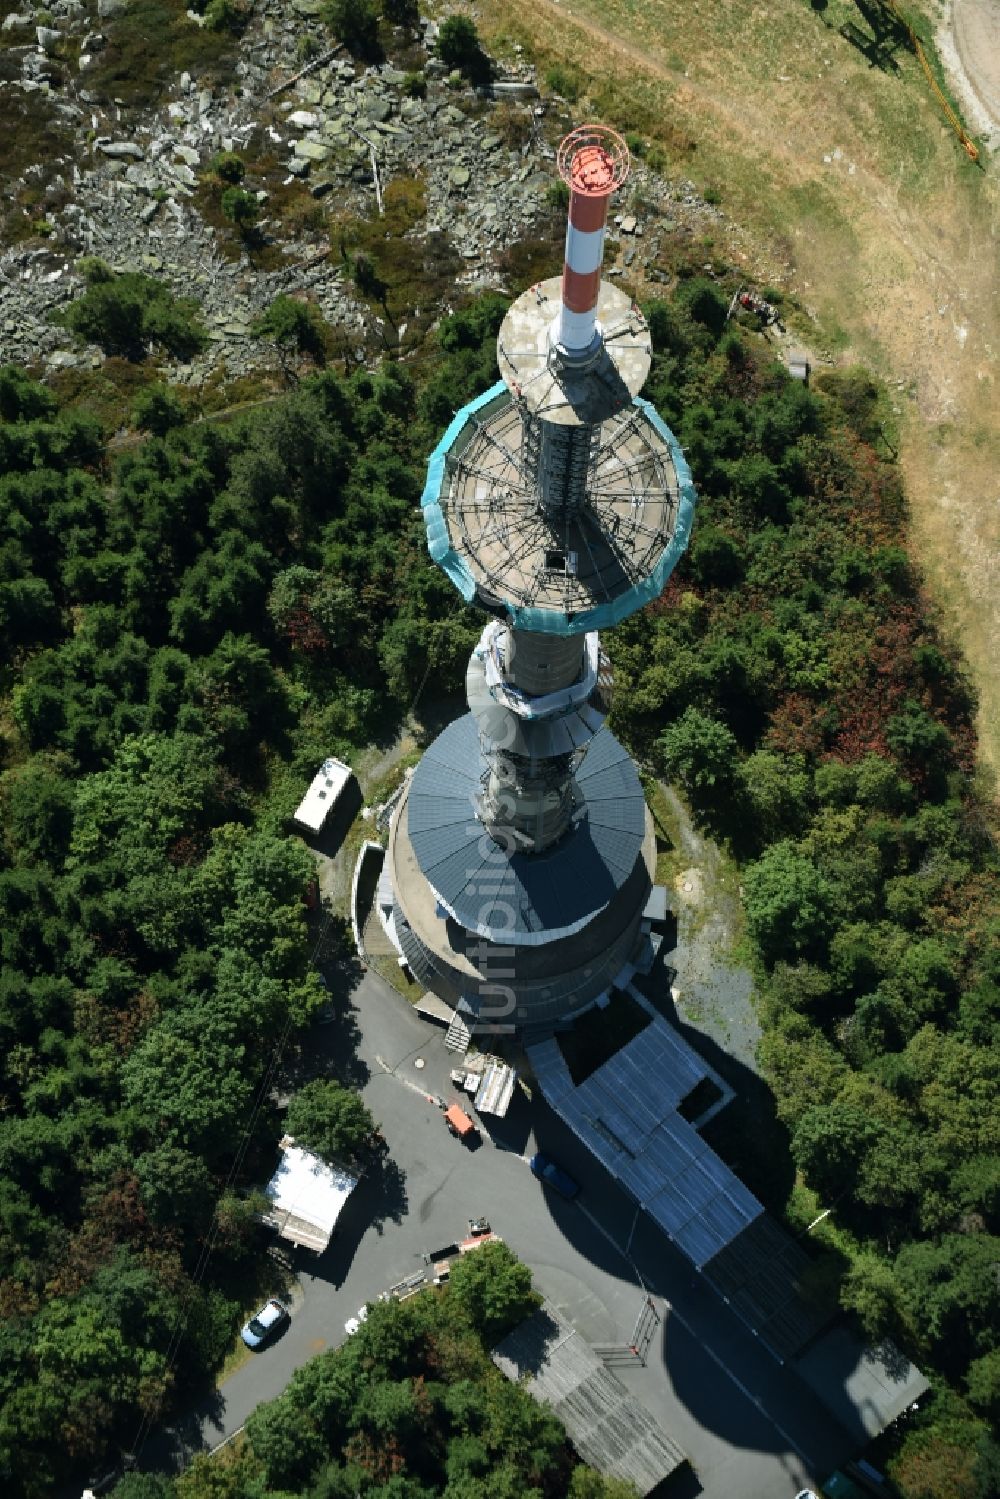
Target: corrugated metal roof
x=548 y=892
x=496 y=1088
x=306 y=1196
x=609 y=1428
x=625 y=1113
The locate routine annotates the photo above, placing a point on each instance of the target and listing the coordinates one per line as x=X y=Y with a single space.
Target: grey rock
x=84 y=61
x=186 y=84
x=303 y=119
x=47 y=36
x=298 y=166
x=311 y=90
x=629 y=224
x=514 y=89
x=148 y=211
x=117 y=149
x=141 y=176
x=311 y=150
x=14 y=20
x=379 y=110
x=307 y=7
x=459 y=176
x=108 y=8
x=204 y=101
x=188 y=155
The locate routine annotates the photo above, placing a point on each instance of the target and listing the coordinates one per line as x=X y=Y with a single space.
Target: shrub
x=94 y=270
x=157 y=409
x=401 y=12
x=415 y=86
x=126 y=313
x=459 y=47
x=355 y=23
x=557 y=194
x=702 y=300
x=564 y=81
x=293 y=325
x=512 y=124
x=636 y=144
x=366 y=277
x=228 y=167
x=224 y=15
x=240 y=207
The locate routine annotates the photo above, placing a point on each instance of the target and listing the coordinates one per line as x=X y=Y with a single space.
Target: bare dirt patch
x=843 y=185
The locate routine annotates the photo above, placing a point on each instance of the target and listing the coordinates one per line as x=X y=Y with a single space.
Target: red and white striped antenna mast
x=593 y=161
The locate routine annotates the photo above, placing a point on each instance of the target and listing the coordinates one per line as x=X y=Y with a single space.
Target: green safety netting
x=553 y=621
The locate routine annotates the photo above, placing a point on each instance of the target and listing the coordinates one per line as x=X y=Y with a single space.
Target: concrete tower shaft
x=593 y=161
x=559 y=502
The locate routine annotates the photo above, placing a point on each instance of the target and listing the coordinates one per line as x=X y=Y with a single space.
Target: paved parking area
x=748 y=1425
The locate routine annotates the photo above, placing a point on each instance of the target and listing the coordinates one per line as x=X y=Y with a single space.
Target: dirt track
x=975 y=29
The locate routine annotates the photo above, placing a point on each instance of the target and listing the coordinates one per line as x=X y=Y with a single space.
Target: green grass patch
x=106 y=393
x=31 y=134
x=389 y=969
x=150 y=43
x=409 y=273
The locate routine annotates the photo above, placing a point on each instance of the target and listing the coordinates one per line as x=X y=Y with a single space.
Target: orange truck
x=459 y=1123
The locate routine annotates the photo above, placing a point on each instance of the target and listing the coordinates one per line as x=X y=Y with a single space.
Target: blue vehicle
x=554 y=1176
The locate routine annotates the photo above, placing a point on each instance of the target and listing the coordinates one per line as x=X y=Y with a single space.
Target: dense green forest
x=792 y=681
x=188 y=629
x=191 y=623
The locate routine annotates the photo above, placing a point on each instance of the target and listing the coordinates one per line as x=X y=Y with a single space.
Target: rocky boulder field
x=132 y=182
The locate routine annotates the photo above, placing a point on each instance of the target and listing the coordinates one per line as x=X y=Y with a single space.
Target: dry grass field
x=842 y=184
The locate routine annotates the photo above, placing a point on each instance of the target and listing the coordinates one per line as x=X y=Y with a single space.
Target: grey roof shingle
x=547 y=891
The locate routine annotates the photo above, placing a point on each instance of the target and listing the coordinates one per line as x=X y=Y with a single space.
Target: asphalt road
x=749 y=1426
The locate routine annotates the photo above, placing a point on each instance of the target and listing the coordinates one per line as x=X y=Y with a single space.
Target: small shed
x=306 y=1196
x=325 y=790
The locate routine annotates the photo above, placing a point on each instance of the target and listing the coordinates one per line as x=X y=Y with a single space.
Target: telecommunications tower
x=522 y=852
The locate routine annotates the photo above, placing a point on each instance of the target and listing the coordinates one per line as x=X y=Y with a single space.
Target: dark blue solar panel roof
x=556 y=888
